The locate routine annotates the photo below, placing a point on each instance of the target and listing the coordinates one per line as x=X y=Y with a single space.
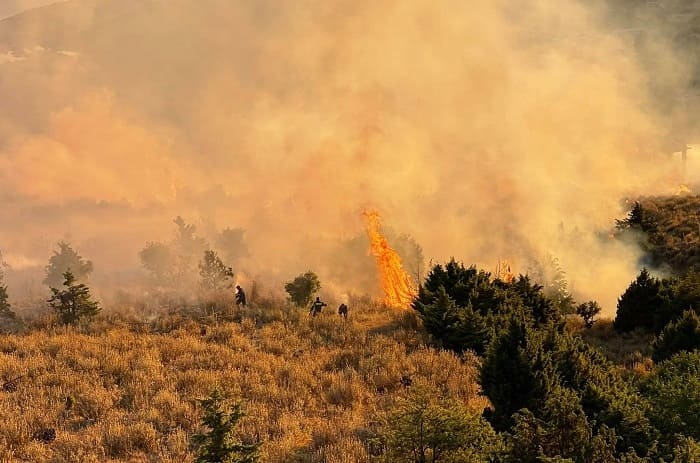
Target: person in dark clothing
x=316 y=307
x=240 y=296
x=343 y=311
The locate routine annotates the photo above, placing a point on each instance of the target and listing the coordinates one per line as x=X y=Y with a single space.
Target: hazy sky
x=11 y=7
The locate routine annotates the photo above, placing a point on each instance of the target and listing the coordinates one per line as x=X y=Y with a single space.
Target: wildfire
x=396 y=283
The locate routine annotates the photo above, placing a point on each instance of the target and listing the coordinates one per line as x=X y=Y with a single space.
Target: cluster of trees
x=180 y=261
x=554 y=398
x=667 y=307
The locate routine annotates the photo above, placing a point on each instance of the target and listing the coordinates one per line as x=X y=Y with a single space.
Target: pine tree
x=5 y=307
x=219 y=444
x=638 y=306
x=214 y=273
x=74 y=302
x=66 y=258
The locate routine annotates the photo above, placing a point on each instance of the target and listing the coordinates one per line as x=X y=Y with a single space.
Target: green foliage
x=74 y=302
x=650 y=303
x=463 y=307
x=673 y=390
x=63 y=260
x=547 y=370
x=219 y=443
x=588 y=311
x=215 y=275
x=639 y=304
x=302 y=289
x=5 y=306
x=680 y=335
x=425 y=428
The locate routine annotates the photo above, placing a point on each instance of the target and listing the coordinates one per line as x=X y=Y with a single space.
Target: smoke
x=486 y=130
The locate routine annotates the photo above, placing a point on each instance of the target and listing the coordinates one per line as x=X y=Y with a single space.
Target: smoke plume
x=486 y=130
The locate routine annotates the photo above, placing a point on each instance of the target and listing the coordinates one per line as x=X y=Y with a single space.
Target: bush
x=588 y=311
x=426 y=428
x=681 y=335
x=673 y=390
x=302 y=289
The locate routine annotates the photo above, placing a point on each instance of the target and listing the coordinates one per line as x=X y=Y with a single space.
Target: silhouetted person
x=240 y=296
x=343 y=311
x=316 y=307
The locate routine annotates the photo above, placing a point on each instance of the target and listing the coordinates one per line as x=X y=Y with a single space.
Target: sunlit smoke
x=396 y=283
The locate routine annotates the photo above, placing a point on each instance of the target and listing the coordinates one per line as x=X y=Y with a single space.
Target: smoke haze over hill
x=486 y=130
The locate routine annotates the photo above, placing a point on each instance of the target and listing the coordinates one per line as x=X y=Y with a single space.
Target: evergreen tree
x=302 y=289
x=63 y=260
x=5 y=306
x=638 y=306
x=219 y=443
x=215 y=275
x=680 y=335
x=74 y=302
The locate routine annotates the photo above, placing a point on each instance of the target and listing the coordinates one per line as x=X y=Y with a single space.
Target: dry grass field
x=315 y=390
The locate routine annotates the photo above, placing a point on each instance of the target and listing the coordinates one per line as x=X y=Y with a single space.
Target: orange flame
x=396 y=283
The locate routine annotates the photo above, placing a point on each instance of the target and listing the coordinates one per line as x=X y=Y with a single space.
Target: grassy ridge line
x=313 y=388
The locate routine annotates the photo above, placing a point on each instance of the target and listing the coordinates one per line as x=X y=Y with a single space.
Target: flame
x=504 y=271
x=396 y=283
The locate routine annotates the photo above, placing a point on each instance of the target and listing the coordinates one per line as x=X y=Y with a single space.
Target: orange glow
x=397 y=286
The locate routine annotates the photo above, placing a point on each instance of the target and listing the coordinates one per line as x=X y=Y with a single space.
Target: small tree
x=66 y=258
x=588 y=311
x=638 y=306
x=425 y=428
x=159 y=260
x=5 y=307
x=219 y=444
x=302 y=289
x=74 y=302
x=215 y=274
x=681 y=335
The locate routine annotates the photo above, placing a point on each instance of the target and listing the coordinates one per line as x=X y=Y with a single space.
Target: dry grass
x=314 y=389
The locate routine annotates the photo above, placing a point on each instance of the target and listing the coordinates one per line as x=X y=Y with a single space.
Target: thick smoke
x=485 y=129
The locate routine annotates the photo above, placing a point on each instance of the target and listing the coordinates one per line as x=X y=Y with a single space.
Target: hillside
x=668 y=229
x=315 y=389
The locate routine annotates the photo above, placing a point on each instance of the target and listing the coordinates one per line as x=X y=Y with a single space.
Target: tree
x=588 y=311
x=673 y=390
x=219 y=443
x=74 y=302
x=5 y=306
x=159 y=260
x=215 y=274
x=639 y=303
x=424 y=428
x=231 y=243
x=63 y=260
x=302 y=289
x=680 y=335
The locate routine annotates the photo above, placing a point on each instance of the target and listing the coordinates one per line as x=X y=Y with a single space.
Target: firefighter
x=240 y=296
x=316 y=307
x=343 y=311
